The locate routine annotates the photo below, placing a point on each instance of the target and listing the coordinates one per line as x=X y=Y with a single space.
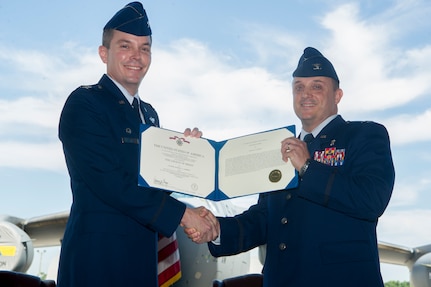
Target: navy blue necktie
x=135 y=105
x=309 y=139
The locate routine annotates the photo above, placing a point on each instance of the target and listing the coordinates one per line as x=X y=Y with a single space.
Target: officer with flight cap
x=112 y=232
x=322 y=233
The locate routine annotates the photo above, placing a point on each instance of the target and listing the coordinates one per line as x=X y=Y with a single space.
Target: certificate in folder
x=215 y=170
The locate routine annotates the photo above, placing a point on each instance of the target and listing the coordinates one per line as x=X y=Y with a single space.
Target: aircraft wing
x=401 y=255
x=395 y=254
x=46 y=230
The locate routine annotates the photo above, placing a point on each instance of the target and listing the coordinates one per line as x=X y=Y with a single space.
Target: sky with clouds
x=224 y=66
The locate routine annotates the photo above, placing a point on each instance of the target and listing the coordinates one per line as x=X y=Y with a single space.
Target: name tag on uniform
x=130 y=140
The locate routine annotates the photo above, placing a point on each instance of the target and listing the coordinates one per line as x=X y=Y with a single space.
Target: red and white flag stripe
x=169 y=267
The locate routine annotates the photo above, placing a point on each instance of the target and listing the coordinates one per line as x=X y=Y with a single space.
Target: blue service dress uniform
x=322 y=233
x=111 y=234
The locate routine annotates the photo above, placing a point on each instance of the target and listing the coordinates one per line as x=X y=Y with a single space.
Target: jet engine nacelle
x=16 y=248
x=420 y=275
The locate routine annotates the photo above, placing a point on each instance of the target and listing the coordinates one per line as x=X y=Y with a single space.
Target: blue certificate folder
x=214 y=170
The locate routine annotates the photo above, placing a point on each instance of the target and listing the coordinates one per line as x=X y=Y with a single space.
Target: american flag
x=169 y=267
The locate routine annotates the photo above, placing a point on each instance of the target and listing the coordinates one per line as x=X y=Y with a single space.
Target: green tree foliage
x=397 y=284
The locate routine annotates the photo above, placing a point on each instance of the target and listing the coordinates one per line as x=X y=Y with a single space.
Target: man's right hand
x=200 y=224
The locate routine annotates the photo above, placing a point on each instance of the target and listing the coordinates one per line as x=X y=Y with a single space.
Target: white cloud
x=45 y=155
x=191 y=85
x=40 y=82
x=42 y=74
x=41 y=112
x=404 y=195
x=407 y=128
x=410 y=228
x=373 y=72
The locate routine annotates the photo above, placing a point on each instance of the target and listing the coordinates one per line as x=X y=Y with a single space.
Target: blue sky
x=224 y=66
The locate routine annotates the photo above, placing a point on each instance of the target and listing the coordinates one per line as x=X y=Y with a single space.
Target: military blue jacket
x=111 y=234
x=322 y=233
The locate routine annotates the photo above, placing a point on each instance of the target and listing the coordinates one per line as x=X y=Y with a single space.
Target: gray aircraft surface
x=19 y=237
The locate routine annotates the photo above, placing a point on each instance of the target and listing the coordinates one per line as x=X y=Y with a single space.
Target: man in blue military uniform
x=112 y=232
x=322 y=233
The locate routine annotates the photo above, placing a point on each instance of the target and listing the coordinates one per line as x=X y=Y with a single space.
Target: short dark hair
x=336 y=84
x=107 y=37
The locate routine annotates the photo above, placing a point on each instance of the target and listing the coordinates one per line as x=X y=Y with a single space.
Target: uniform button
x=282 y=246
x=288 y=196
x=284 y=220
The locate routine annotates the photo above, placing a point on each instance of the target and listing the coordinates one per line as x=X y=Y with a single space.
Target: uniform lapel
x=150 y=114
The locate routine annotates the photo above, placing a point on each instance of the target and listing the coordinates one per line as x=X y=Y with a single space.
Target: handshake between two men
x=200 y=224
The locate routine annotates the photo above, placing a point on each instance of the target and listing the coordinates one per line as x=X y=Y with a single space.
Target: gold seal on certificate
x=275 y=175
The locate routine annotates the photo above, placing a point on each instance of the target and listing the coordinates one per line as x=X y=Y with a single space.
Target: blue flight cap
x=313 y=64
x=132 y=19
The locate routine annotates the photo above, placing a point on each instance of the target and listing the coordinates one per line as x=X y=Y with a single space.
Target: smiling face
x=314 y=100
x=127 y=59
